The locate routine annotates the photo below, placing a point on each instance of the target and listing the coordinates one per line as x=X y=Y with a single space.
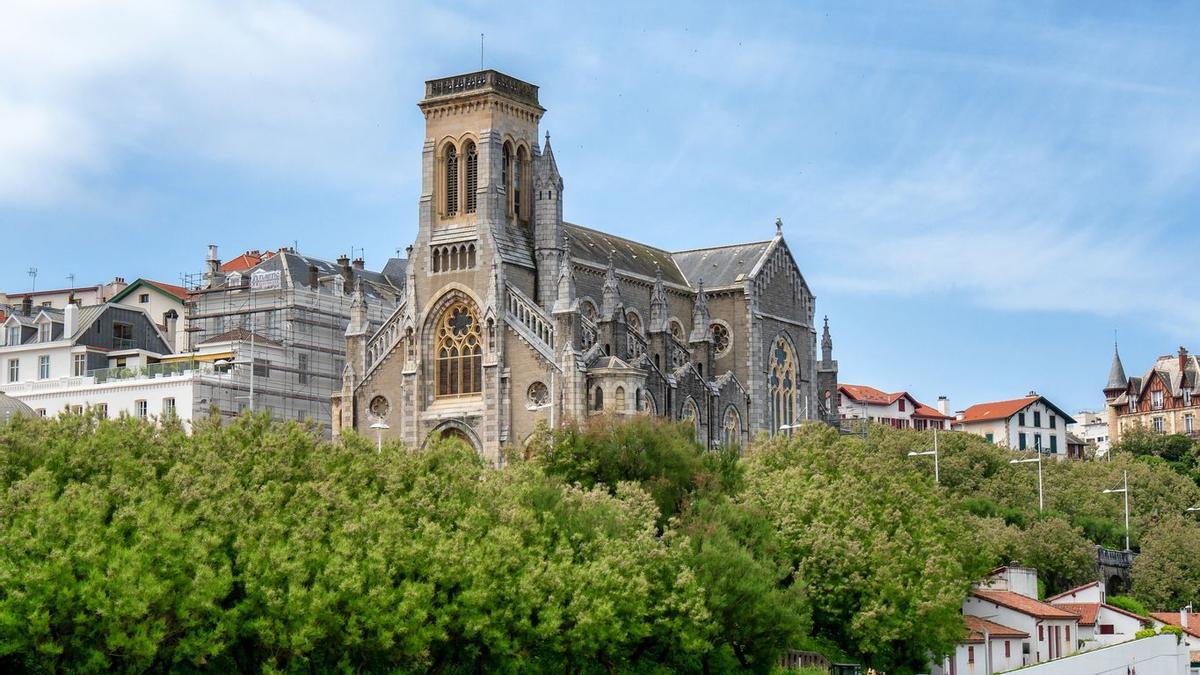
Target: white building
x=1100 y=624
x=1189 y=621
x=1092 y=427
x=59 y=298
x=1028 y=423
x=899 y=409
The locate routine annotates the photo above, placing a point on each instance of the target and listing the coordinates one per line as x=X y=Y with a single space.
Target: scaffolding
x=287 y=345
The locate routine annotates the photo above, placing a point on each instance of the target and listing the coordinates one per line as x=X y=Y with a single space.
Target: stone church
x=511 y=316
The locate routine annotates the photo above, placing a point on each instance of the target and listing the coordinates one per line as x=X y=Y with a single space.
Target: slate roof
x=295 y=267
x=720 y=266
x=976 y=626
x=1023 y=604
x=1116 y=373
x=594 y=247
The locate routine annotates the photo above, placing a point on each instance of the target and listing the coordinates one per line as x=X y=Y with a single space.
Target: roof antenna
x=71 y=280
x=33 y=273
x=481 y=51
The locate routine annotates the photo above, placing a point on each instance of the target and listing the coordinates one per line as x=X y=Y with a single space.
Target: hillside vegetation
x=609 y=547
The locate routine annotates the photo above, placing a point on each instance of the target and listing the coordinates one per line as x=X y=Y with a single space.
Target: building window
x=472 y=177
x=1189 y=423
x=970 y=655
x=505 y=173
x=14 y=336
x=720 y=337
x=1053 y=444
x=538 y=396
x=380 y=407
x=79 y=365
x=1037 y=442
x=451 y=163
x=168 y=407
x=990 y=438
x=41 y=412
x=1037 y=419
x=619 y=403
x=141 y=409
x=44 y=367
x=633 y=322
x=122 y=335
x=519 y=184
x=1041 y=634
x=1021 y=441
x=144 y=298
x=1007 y=649
x=731 y=428
x=676 y=330
x=1187 y=397
x=691 y=414
x=1053 y=422
x=459 y=354
x=262 y=368
x=1156 y=400
x=302 y=368
x=102 y=410
x=598 y=399
x=1067 y=635
x=1021 y=419
x=901 y=404
x=1158 y=424
x=45 y=330
x=1107 y=629
x=14 y=370
x=782 y=384
x=1132 y=405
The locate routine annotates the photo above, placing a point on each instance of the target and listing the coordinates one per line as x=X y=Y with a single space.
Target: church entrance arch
x=453 y=430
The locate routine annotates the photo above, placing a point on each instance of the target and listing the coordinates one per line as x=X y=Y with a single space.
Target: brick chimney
x=27 y=305
x=314 y=278
x=1183 y=354
x=359 y=264
x=343 y=262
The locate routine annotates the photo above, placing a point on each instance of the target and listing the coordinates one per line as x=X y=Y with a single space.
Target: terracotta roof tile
x=177 y=291
x=1172 y=618
x=1086 y=611
x=1023 y=604
x=976 y=626
x=925 y=411
x=996 y=410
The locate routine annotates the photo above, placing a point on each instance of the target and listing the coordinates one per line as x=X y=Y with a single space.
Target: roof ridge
x=719 y=246
x=617 y=236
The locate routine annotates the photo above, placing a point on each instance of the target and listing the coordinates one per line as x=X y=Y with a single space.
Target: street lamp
x=379 y=428
x=1038 y=460
x=1194 y=509
x=937 y=478
x=1124 y=489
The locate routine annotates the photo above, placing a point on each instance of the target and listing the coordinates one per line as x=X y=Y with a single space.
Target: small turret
x=547 y=224
x=659 y=319
x=565 y=301
x=1117 y=382
x=359 y=323
x=613 y=306
x=700 y=316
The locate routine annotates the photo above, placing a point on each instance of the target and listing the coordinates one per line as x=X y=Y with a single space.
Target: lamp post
x=1124 y=489
x=1038 y=461
x=1194 y=509
x=937 y=478
x=379 y=428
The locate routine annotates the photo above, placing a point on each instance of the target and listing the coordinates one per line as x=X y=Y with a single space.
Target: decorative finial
x=547 y=137
x=827 y=321
x=779 y=226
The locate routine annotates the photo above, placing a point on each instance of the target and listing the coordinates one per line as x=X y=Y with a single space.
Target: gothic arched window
x=677 y=330
x=459 y=357
x=519 y=184
x=634 y=322
x=619 y=402
x=506 y=173
x=646 y=404
x=691 y=414
x=731 y=427
x=598 y=400
x=720 y=338
x=451 y=180
x=782 y=383
x=472 y=177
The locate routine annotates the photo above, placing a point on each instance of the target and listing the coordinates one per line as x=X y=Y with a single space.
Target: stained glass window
x=459 y=355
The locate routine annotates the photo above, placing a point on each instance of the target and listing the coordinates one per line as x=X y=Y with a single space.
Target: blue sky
x=979 y=194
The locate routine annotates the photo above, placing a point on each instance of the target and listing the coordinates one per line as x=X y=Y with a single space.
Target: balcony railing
x=124 y=343
x=101 y=375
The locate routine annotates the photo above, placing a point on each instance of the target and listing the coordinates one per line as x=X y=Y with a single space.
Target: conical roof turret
x=1116 y=373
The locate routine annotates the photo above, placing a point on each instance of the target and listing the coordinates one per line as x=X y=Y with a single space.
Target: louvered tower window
x=472 y=177
x=451 y=181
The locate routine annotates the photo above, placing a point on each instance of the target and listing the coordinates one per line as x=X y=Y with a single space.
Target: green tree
x=1166 y=575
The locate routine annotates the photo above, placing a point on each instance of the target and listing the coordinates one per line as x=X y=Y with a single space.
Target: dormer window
x=1187 y=397
x=14 y=336
x=45 y=330
x=1156 y=400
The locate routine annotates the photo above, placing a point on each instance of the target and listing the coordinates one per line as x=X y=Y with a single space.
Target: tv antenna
x=71 y=280
x=33 y=274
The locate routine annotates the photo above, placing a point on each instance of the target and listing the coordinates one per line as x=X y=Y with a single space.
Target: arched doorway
x=454 y=430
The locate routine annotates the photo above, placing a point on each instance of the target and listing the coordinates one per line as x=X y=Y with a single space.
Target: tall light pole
x=1194 y=509
x=937 y=478
x=1038 y=461
x=1124 y=489
x=379 y=428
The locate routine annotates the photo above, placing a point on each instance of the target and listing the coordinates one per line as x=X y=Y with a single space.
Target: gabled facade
x=1166 y=399
x=163 y=302
x=1100 y=624
x=1028 y=423
x=898 y=409
x=513 y=316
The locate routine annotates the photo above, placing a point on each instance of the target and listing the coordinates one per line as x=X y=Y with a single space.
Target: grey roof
x=1116 y=373
x=721 y=265
x=515 y=244
x=11 y=407
x=1175 y=379
x=594 y=247
x=396 y=270
x=296 y=267
x=87 y=317
x=240 y=334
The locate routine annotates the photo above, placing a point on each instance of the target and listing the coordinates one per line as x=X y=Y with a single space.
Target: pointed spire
x=700 y=316
x=566 y=281
x=779 y=227
x=1116 y=373
x=658 y=304
x=826 y=345
x=548 y=168
x=612 y=304
x=359 y=323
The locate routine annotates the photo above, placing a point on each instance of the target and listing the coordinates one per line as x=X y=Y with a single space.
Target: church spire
x=566 y=280
x=826 y=345
x=612 y=304
x=359 y=324
x=658 y=303
x=700 y=316
x=1116 y=374
x=548 y=168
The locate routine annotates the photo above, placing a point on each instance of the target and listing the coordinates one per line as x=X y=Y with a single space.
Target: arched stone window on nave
x=782 y=384
x=469 y=196
x=459 y=354
x=691 y=415
x=731 y=427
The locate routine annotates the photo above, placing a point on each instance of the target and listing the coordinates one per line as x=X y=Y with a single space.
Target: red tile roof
x=925 y=411
x=1086 y=611
x=1023 y=604
x=976 y=626
x=996 y=410
x=865 y=394
x=1172 y=618
x=243 y=262
x=170 y=289
x=1072 y=591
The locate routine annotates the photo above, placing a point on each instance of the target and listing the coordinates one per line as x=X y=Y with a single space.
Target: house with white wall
x=1100 y=624
x=898 y=409
x=59 y=298
x=1092 y=427
x=1028 y=423
x=1189 y=621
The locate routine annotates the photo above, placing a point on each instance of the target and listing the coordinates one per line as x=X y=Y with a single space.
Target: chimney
x=943 y=405
x=27 y=305
x=1183 y=354
x=171 y=320
x=1184 y=616
x=314 y=279
x=213 y=275
x=359 y=264
x=70 y=320
x=343 y=262
x=959 y=414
